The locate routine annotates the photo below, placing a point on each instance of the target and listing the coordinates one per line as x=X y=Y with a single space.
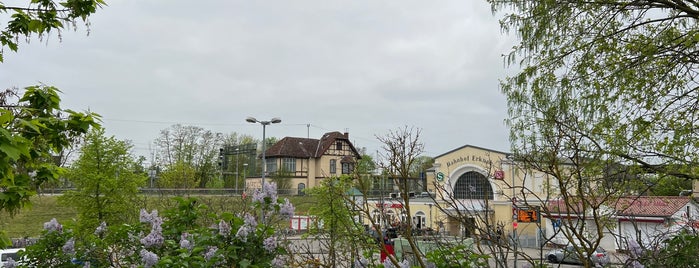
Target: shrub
x=175 y=239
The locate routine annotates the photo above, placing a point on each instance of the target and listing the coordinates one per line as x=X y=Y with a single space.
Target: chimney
x=346 y=135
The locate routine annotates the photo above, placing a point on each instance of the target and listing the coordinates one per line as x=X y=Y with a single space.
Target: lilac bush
x=173 y=239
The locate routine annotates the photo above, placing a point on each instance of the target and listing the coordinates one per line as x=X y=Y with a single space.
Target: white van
x=6 y=254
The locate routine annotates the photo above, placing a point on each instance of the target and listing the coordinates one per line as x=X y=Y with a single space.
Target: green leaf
x=10 y=150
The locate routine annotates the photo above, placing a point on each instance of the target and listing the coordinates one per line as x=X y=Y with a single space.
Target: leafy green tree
x=602 y=83
x=420 y=165
x=183 y=147
x=34 y=130
x=364 y=173
x=178 y=175
x=43 y=17
x=621 y=75
x=678 y=251
x=659 y=185
x=346 y=238
x=106 y=183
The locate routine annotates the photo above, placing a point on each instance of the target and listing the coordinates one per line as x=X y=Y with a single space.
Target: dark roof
x=293 y=147
x=307 y=148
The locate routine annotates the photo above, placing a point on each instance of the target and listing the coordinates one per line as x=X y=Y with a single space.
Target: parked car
x=569 y=255
x=10 y=253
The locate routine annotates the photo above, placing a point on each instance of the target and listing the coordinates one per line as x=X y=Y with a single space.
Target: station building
x=471 y=189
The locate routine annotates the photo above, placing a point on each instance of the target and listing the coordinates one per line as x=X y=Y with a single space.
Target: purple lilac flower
x=250 y=220
x=155 y=237
x=148 y=217
x=144 y=216
x=210 y=252
x=101 y=229
x=278 y=262
x=286 y=209
x=10 y=263
x=53 y=225
x=404 y=264
x=86 y=265
x=270 y=191
x=388 y=264
x=224 y=228
x=634 y=248
x=69 y=247
x=149 y=258
x=185 y=243
x=157 y=222
x=270 y=243
x=361 y=263
x=242 y=233
x=430 y=265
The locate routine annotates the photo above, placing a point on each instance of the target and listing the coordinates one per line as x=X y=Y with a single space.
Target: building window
x=289 y=165
x=346 y=168
x=271 y=165
x=473 y=185
x=333 y=166
x=301 y=187
x=338 y=145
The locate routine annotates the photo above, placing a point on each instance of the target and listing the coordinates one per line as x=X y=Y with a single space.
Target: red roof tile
x=658 y=206
x=652 y=206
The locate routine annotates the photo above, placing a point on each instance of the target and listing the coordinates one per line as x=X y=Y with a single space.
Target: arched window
x=473 y=185
x=301 y=187
x=419 y=220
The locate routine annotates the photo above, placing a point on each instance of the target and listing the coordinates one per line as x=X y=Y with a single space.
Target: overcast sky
x=365 y=67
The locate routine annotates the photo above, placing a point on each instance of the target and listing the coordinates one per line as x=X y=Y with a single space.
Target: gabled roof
x=307 y=148
x=654 y=206
x=649 y=206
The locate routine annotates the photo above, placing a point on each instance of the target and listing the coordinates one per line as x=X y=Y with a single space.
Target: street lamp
x=264 y=124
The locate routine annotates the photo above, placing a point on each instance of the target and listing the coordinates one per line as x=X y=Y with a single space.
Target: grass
x=29 y=222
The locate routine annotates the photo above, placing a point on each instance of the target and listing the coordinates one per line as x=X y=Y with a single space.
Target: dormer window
x=338 y=145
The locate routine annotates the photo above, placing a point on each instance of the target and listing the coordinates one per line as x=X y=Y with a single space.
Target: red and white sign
x=499 y=175
x=390 y=205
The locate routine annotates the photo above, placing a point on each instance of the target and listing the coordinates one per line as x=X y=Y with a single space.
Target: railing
x=181 y=192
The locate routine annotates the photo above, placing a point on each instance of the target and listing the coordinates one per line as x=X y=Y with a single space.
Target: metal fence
x=182 y=192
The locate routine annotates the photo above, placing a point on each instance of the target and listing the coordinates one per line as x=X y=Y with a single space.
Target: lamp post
x=264 y=124
x=236 y=170
x=245 y=176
